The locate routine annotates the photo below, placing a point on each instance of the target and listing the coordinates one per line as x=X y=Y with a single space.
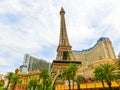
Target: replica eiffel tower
x=64 y=52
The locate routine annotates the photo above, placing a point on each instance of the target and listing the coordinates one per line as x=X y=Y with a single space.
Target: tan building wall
x=87 y=70
x=25 y=78
x=102 y=49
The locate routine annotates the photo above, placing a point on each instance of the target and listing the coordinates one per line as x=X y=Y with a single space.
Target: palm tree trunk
x=69 y=83
x=14 y=86
x=103 y=84
x=34 y=87
x=109 y=84
x=73 y=83
x=73 y=79
x=43 y=87
x=78 y=85
x=118 y=84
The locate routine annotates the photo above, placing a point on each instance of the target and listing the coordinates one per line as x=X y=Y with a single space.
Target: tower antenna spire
x=63 y=33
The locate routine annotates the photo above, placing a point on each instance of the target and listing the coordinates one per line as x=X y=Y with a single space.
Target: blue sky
x=33 y=27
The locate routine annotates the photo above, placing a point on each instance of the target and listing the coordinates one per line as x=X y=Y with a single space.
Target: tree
x=67 y=75
x=79 y=79
x=118 y=70
x=99 y=75
x=118 y=63
x=2 y=82
x=14 y=80
x=73 y=68
x=46 y=79
x=9 y=77
x=33 y=83
x=107 y=73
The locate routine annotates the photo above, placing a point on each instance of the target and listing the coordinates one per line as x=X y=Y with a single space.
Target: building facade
x=25 y=78
x=31 y=63
x=101 y=50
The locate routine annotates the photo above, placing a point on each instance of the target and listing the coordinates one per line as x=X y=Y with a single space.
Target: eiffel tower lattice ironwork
x=64 y=51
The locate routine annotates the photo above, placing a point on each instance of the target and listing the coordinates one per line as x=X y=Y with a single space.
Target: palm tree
x=106 y=72
x=79 y=80
x=67 y=75
x=33 y=83
x=47 y=82
x=2 y=82
x=73 y=68
x=118 y=63
x=118 y=70
x=109 y=74
x=14 y=80
x=99 y=75
x=9 y=77
x=46 y=79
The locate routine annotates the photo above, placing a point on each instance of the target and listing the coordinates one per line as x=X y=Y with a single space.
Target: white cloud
x=3 y=62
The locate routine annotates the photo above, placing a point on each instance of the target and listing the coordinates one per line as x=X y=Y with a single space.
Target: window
x=65 y=55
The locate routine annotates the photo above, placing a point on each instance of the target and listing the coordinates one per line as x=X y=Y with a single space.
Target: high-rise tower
x=64 y=51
